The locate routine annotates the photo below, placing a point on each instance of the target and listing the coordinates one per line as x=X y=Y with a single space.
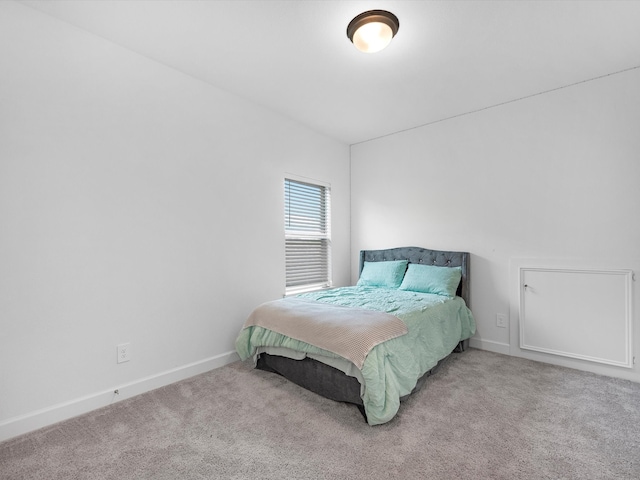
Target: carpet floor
x=481 y=416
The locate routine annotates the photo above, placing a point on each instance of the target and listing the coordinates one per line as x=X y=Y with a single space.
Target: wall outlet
x=124 y=352
x=501 y=320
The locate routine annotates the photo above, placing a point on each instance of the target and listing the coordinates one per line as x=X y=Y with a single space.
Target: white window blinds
x=307 y=236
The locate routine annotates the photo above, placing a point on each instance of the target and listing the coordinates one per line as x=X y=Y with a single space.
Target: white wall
x=552 y=178
x=139 y=205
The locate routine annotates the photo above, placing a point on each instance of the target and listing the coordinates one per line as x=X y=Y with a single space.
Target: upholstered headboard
x=428 y=257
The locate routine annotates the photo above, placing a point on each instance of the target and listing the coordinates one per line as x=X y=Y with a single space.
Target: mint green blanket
x=435 y=326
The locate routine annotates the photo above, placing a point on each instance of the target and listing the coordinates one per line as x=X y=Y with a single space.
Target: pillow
x=383 y=274
x=432 y=279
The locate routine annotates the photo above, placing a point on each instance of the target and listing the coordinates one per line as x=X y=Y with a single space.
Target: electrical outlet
x=501 y=320
x=124 y=352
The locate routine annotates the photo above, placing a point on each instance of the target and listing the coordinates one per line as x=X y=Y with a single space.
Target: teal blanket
x=435 y=326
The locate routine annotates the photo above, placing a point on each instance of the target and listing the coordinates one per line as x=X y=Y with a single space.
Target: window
x=307 y=228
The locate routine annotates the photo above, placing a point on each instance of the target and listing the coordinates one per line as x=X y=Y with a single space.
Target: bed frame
x=333 y=383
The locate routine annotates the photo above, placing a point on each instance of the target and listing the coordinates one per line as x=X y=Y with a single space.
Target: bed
x=423 y=291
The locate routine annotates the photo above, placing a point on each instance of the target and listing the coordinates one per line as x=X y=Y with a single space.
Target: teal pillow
x=383 y=274
x=432 y=279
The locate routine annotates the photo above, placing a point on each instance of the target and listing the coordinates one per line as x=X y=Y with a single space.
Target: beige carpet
x=481 y=416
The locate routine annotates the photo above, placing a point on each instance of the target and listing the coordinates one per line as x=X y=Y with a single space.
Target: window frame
x=314 y=236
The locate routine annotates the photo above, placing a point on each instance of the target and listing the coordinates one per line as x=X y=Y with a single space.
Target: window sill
x=312 y=288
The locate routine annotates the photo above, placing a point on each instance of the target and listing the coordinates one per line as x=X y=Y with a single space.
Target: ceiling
x=448 y=58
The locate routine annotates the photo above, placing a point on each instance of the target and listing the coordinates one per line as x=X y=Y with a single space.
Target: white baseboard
x=597 y=368
x=496 y=347
x=56 y=413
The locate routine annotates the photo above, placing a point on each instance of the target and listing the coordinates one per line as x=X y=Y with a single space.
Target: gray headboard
x=425 y=256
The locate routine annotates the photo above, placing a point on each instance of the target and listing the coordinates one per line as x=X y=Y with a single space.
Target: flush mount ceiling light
x=373 y=30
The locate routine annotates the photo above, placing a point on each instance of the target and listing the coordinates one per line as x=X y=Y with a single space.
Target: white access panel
x=582 y=314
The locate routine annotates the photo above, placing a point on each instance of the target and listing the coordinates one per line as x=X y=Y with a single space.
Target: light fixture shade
x=373 y=30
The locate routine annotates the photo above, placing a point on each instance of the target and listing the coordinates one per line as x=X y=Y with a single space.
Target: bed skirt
x=330 y=382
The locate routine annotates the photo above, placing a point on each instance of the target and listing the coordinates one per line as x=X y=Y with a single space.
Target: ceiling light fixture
x=373 y=30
